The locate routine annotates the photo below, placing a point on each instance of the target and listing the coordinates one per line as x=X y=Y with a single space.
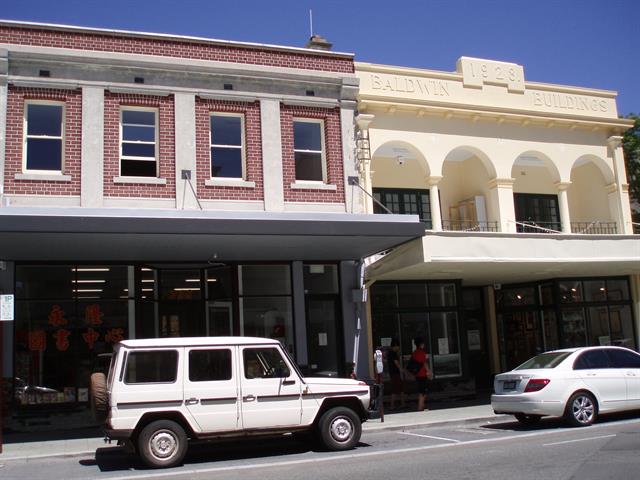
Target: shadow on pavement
x=558 y=422
x=111 y=459
x=30 y=437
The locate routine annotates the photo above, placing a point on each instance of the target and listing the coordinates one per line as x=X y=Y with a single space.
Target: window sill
x=313 y=186
x=43 y=177
x=229 y=182
x=144 y=180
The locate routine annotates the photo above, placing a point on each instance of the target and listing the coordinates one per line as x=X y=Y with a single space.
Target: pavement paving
x=27 y=447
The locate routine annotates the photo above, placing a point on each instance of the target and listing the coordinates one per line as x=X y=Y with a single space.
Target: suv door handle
x=591 y=374
x=248 y=398
x=631 y=374
x=191 y=401
x=288 y=382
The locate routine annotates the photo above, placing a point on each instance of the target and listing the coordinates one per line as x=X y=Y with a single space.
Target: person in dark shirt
x=395 y=372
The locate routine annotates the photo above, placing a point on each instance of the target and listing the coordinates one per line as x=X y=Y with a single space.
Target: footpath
x=34 y=446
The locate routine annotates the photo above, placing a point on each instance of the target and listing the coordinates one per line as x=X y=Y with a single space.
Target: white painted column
x=563 y=204
x=623 y=202
x=272 y=155
x=352 y=194
x=366 y=175
x=92 y=150
x=434 y=200
x=501 y=197
x=4 y=91
x=185 y=139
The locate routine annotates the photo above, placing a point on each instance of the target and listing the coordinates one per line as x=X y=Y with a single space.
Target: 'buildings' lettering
x=569 y=102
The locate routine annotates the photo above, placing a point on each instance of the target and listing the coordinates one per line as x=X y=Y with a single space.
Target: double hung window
x=308 y=150
x=139 y=140
x=227 y=145
x=44 y=137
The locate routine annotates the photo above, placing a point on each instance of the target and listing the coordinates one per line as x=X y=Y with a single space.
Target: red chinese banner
x=37 y=341
x=56 y=317
x=90 y=337
x=62 y=340
x=93 y=315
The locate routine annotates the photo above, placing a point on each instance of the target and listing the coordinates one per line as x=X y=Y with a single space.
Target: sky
x=587 y=43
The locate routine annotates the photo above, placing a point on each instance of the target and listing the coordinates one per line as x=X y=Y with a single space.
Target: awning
x=106 y=235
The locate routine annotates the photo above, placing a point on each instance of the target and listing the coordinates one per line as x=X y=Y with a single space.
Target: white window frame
x=26 y=136
x=156 y=142
x=322 y=152
x=219 y=145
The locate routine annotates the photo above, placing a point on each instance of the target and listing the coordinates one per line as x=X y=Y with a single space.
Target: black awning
x=186 y=236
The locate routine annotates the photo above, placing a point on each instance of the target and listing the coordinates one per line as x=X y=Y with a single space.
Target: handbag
x=413 y=366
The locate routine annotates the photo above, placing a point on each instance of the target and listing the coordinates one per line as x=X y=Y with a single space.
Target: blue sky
x=590 y=43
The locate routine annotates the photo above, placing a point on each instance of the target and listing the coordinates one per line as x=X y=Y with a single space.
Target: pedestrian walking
x=421 y=357
x=395 y=372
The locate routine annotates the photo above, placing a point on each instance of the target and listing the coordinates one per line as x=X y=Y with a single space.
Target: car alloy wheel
x=581 y=409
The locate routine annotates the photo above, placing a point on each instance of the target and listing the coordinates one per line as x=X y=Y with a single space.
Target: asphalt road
x=608 y=449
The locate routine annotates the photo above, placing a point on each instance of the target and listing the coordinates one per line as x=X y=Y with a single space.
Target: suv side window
x=623 y=359
x=264 y=363
x=592 y=359
x=156 y=366
x=209 y=365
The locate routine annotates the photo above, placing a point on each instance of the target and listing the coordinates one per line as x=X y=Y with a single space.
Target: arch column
x=364 y=158
x=501 y=196
x=434 y=200
x=623 y=205
x=563 y=203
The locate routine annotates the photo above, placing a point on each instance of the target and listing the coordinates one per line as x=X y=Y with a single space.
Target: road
x=505 y=450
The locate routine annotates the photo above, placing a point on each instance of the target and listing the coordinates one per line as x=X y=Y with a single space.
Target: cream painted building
x=522 y=188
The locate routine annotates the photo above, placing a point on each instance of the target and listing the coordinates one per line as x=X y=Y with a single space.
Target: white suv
x=159 y=393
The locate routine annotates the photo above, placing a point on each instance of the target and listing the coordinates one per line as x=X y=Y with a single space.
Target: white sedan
x=576 y=383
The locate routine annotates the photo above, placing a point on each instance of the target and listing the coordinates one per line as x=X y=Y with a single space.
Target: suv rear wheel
x=162 y=444
x=340 y=428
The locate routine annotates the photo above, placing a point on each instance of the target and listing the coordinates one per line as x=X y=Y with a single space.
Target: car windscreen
x=544 y=360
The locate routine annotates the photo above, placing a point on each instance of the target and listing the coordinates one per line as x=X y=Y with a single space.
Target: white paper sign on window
x=443 y=346
x=6 y=308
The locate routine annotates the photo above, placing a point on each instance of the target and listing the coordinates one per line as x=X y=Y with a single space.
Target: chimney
x=319 y=43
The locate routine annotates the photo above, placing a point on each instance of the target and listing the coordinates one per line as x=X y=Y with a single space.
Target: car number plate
x=511 y=385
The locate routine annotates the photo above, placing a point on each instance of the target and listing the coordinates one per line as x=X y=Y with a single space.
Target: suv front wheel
x=340 y=428
x=162 y=444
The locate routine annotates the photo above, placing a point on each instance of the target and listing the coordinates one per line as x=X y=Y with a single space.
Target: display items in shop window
x=57 y=317
x=90 y=337
x=62 y=339
x=37 y=340
x=93 y=315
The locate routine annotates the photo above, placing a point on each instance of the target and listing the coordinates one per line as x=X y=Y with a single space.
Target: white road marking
x=477 y=432
x=578 y=440
x=429 y=436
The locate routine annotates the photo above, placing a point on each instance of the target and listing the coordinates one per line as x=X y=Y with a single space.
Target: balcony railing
x=594 y=228
x=469 y=226
x=530 y=226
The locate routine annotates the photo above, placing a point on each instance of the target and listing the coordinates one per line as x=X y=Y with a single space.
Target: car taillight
x=536 y=384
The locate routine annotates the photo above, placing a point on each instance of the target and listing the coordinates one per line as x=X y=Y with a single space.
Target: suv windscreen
x=544 y=360
x=157 y=366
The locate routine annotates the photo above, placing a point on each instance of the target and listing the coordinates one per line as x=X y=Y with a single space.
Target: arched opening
x=464 y=191
x=589 y=203
x=535 y=194
x=399 y=181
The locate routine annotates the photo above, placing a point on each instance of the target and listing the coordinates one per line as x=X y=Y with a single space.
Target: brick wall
x=41 y=36
x=15 y=137
x=253 y=150
x=165 y=149
x=333 y=154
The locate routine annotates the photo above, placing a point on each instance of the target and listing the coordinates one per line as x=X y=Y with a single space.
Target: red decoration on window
x=93 y=315
x=56 y=317
x=90 y=337
x=62 y=340
x=114 y=335
x=37 y=341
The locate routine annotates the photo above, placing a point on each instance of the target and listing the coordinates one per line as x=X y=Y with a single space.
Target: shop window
x=209 y=365
x=516 y=297
x=412 y=295
x=445 y=344
x=384 y=295
x=404 y=202
x=594 y=291
x=546 y=294
x=44 y=137
x=265 y=280
x=570 y=291
x=180 y=284
x=139 y=139
x=226 y=145
x=617 y=290
x=621 y=326
x=321 y=279
x=574 y=329
x=442 y=295
x=158 y=366
x=308 y=150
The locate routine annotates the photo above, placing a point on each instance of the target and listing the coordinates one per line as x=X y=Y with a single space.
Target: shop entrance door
x=323 y=341
x=522 y=337
x=181 y=319
x=220 y=319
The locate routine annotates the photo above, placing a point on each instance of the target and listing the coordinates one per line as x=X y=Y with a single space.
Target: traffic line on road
x=429 y=436
x=476 y=431
x=577 y=440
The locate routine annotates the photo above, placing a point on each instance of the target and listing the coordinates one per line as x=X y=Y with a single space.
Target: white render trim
x=308 y=102
x=3 y=127
x=26 y=82
x=140 y=91
x=48 y=201
x=136 y=203
x=143 y=180
x=92 y=157
x=314 y=207
x=233 y=205
x=229 y=182
x=226 y=95
x=168 y=36
x=185 y=150
x=272 y=155
x=301 y=185
x=43 y=177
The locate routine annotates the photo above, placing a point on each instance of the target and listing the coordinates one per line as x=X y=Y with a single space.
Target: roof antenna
x=310 y=23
